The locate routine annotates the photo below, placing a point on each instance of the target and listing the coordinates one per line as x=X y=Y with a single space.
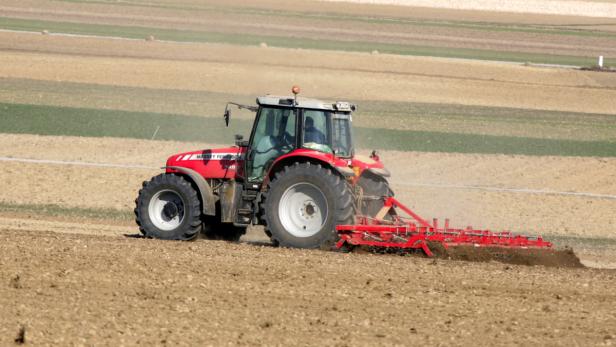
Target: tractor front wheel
x=168 y=208
x=303 y=205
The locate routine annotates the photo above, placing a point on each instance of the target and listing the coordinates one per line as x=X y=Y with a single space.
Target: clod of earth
x=15 y=282
x=518 y=256
x=21 y=336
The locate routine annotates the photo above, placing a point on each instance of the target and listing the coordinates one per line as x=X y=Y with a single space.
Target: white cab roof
x=275 y=100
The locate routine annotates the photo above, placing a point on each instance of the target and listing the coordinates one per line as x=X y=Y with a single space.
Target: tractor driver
x=311 y=133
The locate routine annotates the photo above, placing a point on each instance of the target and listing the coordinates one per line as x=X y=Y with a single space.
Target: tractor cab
x=285 y=124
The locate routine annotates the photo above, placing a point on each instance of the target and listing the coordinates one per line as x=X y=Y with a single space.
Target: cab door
x=274 y=135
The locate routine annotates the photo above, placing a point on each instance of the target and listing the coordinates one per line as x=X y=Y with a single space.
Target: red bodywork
x=223 y=163
x=228 y=163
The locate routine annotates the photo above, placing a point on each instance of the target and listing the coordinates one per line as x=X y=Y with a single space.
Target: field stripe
x=76 y=163
x=252 y=39
x=508 y=190
x=53 y=210
x=68 y=121
x=546 y=7
x=452 y=57
x=395 y=183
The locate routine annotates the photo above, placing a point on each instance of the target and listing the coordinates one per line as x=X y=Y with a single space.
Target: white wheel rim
x=167 y=210
x=303 y=210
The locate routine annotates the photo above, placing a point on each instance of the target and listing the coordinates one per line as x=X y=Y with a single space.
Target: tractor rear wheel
x=168 y=208
x=303 y=205
x=369 y=191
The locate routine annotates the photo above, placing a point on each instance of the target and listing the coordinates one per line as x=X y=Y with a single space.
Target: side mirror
x=227 y=116
x=239 y=141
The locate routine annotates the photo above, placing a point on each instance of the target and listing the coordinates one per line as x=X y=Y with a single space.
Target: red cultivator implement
x=390 y=230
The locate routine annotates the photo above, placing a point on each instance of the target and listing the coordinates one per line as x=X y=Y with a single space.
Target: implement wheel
x=304 y=204
x=168 y=208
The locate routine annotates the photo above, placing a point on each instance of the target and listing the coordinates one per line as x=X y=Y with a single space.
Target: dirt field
x=281 y=20
x=74 y=272
x=437 y=185
x=548 y=89
x=327 y=61
x=134 y=8
x=77 y=289
x=532 y=172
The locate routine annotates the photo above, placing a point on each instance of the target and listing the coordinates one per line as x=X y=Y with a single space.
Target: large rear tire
x=303 y=205
x=168 y=208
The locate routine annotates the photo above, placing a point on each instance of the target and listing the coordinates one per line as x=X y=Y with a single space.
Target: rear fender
x=383 y=172
x=372 y=164
x=208 y=200
x=302 y=156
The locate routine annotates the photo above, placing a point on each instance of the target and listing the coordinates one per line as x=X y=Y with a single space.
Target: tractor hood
x=210 y=163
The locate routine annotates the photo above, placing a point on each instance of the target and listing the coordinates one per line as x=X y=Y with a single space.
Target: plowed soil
x=526 y=256
x=80 y=279
x=65 y=289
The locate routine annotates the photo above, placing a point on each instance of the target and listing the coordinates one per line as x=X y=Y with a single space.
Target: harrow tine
x=372 y=237
x=399 y=238
x=427 y=251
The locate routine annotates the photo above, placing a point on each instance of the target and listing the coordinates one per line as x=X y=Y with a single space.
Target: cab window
x=274 y=136
x=316 y=134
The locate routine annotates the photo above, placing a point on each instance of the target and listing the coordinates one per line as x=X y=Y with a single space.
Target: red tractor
x=297 y=175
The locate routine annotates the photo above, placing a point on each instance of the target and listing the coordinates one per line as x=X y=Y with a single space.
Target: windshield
x=328 y=132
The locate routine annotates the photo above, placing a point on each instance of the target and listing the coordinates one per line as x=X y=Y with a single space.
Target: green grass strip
x=52 y=210
x=289 y=42
x=430 y=141
x=52 y=120
x=55 y=120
